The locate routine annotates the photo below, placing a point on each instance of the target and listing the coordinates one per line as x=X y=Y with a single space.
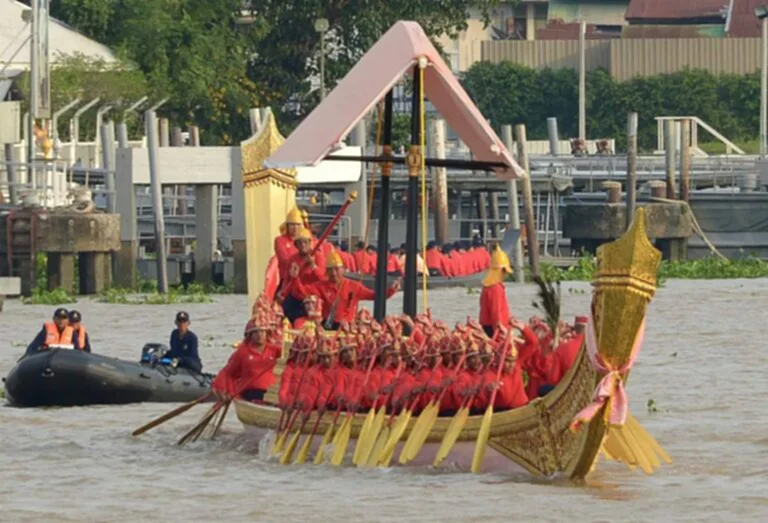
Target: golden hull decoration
x=538 y=437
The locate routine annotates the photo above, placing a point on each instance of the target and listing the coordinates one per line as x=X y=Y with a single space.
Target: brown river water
x=703 y=363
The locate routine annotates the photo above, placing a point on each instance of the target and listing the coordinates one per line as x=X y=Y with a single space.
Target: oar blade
x=430 y=417
x=340 y=445
x=320 y=456
x=394 y=438
x=482 y=440
x=378 y=447
x=451 y=435
x=301 y=457
x=285 y=457
x=371 y=437
x=363 y=437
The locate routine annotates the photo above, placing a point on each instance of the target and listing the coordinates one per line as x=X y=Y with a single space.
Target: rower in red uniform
x=567 y=351
x=316 y=394
x=341 y=296
x=284 y=244
x=304 y=270
x=434 y=260
x=511 y=393
x=362 y=262
x=248 y=373
x=494 y=309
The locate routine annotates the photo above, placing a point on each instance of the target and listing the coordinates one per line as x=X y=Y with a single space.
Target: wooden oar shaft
x=170 y=415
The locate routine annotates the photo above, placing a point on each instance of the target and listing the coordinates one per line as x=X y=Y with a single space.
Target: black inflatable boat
x=65 y=378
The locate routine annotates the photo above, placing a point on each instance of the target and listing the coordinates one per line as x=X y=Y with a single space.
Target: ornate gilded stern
x=254 y=152
x=624 y=286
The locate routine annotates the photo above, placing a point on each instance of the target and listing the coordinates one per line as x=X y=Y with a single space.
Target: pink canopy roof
x=367 y=83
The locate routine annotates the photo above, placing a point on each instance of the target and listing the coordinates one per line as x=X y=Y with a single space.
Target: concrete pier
x=206 y=221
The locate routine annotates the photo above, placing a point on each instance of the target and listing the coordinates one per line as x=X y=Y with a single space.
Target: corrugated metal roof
x=63 y=39
x=600 y=12
x=744 y=23
x=558 y=30
x=676 y=9
x=673 y=31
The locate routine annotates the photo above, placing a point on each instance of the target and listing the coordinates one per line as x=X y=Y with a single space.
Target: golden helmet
x=500 y=260
x=305 y=216
x=334 y=261
x=294 y=216
x=303 y=234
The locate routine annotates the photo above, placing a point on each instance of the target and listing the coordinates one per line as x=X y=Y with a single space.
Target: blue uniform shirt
x=185 y=349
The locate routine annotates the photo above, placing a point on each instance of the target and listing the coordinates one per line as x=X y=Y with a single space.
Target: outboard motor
x=153 y=352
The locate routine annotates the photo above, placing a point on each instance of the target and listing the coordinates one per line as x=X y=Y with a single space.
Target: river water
x=703 y=363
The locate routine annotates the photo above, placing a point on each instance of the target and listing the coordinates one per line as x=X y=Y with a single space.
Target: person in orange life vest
x=341 y=296
x=79 y=335
x=567 y=351
x=248 y=373
x=284 y=244
x=54 y=333
x=494 y=309
x=362 y=261
x=434 y=260
x=304 y=267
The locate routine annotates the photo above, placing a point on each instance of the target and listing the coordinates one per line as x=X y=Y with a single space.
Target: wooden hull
x=535 y=437
x=433 y=282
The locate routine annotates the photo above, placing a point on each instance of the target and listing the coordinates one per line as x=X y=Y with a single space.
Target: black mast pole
x=380 y=302
x=412 y=216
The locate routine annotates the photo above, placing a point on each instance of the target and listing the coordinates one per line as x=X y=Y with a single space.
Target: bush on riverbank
x=710 y=268
x=508 y=93
x=147 y=293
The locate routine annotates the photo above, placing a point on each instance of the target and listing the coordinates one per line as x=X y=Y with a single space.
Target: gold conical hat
x=303 y=234
x=334 y=261
x=294 y=216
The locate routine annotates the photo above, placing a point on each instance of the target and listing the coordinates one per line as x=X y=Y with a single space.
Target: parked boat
x=66 y=378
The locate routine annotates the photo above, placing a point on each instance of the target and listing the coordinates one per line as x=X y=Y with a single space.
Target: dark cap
x=61 y=313
x=75 y=317
x=182 y=317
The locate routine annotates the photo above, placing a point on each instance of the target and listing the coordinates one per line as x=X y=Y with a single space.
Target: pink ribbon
x=610 y=391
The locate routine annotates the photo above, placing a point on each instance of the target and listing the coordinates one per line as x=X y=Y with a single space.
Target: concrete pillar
x=436 y=139
x=125 y=206
x=206 y=223
x=239 y=249
x=494 y=198
x=482 y=212
x=613 y=190
x=658 y=188
x=95 y=272
x=530 y=22
x=61 y=271
x=358 y=210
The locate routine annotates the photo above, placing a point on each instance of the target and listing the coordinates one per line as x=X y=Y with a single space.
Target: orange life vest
x=80 y=337
x=54 y=337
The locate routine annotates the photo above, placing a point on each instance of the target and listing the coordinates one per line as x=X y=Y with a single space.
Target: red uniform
x=284 y=250
x=494 y=308
x=564 y=358
x=403 y=387
x=362 y=262
x=434 y=260
x=447 y=266
x=346 y=296
x=392 y=263
x=465 y=380
x=317 y=389
x=307 y=275
x=283 y=395
x=349 y=261
x=511 y=392
x=249 y=368
x=485 y=259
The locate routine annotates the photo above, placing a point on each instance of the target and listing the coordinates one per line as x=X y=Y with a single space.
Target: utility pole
x=321 y=26
x=583 y=81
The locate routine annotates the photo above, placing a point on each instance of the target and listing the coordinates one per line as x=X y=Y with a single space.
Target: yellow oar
x=485 y=426
x=285 y=457
x=341 y=441
x=451 y=435
x=170 y=415
x=363 y=437
x=397 y=432
x=326 y=439
x=301 y=457
x=283 y=436
x=372 y=437
x=419 y=434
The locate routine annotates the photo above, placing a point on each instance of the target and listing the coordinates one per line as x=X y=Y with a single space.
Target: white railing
x=696 y=122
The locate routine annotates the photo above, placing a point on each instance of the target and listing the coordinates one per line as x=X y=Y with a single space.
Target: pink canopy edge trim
x=368 y=82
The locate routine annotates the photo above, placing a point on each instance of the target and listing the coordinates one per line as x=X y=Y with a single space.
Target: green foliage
x=42 y=296
x=508 y=93
x=117 y=295
x=709 y=268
